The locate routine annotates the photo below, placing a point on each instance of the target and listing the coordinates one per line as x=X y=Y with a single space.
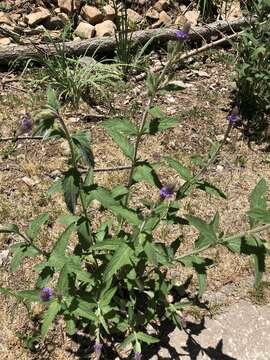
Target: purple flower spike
x=232 y=118
x=166 y=191
x=181 y=35
x=26 y=123
x=98 y=347
x=46 y=294
x=138 y=356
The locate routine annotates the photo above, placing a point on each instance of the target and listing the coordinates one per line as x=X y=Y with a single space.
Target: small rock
x=55 y=174
x=152 y=14
x=201 y=73
x=164 y=19
x=109 y=12
x=133 y=16
x=91 y=14
x=220 y=137
x=69 y=6
x=161 y=5
x=5 y=19
x=5 y=41
x=85 y=30
x=4 y=256
x=192 y=16
x=29 y=182
x=180 y=20
x=220 y=168
x=40 y=15
x=86 y=61
x=15 y=17
x=106 y=28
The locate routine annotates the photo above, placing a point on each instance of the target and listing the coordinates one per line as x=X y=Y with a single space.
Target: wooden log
x=107 y=44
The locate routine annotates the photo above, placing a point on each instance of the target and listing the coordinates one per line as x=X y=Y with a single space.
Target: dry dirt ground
x=29 y=167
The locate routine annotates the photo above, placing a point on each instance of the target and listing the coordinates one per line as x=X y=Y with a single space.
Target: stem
x=25 y=238
x=224 y=240
x=74 y=164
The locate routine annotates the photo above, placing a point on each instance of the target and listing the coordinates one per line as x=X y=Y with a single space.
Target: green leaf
x=213 y=150
x=258 y=199
x=207 y=231
x=182 y=170
x=144 y=172
x=84 y=232
x=120 y=125
x=63 y=280
x=31 y=295
x=12 y=229
x=49 y=317
x=21 y=251
x=36 y=224
x=130 y=216
x=176 y=85
x=123 y=142
x=156 y=254
x=146 y=338
x=159 y=121
x=52 y=99
x=210 y=189
x=129 y=340
x=106 y=297
x=55 y=187
x=81 y=139
x=61 y=244
x=70 y=185
x=259 y=215
x=71 y=328
x=121 y=257
x=107 y=245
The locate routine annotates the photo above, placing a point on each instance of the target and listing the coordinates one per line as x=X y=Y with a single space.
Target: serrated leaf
x=121 y=257
x=84 y=232
x=258 y=199
x=36 y=224
x=31 y=295
x=55 y=187
x=121 y=125
x=61 y=244
x=130 y=216
x=70 y=185
x=210 y=189
x=49 y=317
x=106 y=297
x=156 y=254
x=20 y=252
x=259 y=215
x=70 y=326
x=81 y=140
x=129 y=340
x=62 y=284
x=144 y=172
x=12 y=228
x=182 y=170
x=107 y=245
x=207 y=231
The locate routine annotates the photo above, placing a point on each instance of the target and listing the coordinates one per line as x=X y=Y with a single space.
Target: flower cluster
x=184 y=33
x=166 y=191
x=46 y=294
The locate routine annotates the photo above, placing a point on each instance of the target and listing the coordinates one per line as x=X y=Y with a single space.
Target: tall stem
x=75 y=166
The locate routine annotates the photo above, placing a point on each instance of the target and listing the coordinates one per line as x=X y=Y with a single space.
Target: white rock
x=91 y=14
x=106 y=28
x=85 y=30
x=40 y=15
x=133 y=16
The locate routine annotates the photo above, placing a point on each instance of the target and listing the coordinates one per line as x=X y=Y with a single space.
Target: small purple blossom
x=46 y=294
x=138 y=356
x=232 y=118
x=183 y=320
x=98 y=347
x=26 y=123
x=166 y=191
x=181 y=35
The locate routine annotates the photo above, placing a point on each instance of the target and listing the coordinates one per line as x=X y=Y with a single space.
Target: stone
x=92 y=14
x=180 y=20
x=152 y=14
x=5 y=41
x=133 y=16
x=54 y=23
x=40 y=15
x=192 y=16
x=5 y=19
x=164 y=19
x=85 y=30
x=69 y=6
x=106 y=28
x=161 y=5
x=15 y=17
x=109 y=12
x=85 y=61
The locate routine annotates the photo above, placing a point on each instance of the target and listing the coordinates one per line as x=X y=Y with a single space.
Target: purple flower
x=181 y=35
x=46 y=294
x=232 y=118
x=26 y=123
x=183 y=320
x=138 y=356
x=166 y=191
x=98 y=348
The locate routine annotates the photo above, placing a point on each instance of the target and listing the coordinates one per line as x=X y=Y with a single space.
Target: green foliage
x=108 y=271
x=253 y=69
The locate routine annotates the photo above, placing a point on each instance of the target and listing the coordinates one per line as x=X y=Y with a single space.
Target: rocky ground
x=22 y=21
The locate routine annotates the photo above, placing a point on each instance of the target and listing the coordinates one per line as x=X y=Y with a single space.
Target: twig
x=12 y=138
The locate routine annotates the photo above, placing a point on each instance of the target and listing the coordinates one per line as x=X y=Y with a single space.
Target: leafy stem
x=225 y=240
